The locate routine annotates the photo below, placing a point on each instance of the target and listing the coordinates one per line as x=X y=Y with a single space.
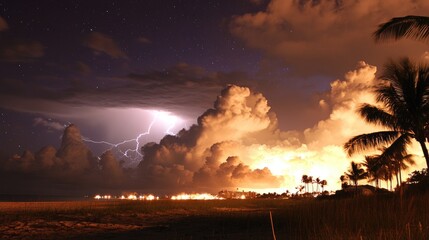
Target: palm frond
x=407 y=160
x=406 y=94
x=415 y=27
x=377 y=116
x=369 y=141
x=398 y=148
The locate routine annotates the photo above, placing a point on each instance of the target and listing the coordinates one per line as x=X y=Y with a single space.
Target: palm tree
x=402 y=162
x=415 y=27
x=323 y=183
x=405 y=96
x=317 y=181
x=304 y=180
x=344 y=180
x=373 y=166
x=310 y=180
x=390 y=171
x=356 y=173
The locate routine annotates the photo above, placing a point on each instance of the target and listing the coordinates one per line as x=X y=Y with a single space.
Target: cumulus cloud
x=70 y=168
x=73 y=158
x=237 y=143
x=3 y=24
x=47 y=157
x=325 y=37
x=21 y=51
x=102 y=43
x=74 y=153
x=208 y=155
x=111 y=169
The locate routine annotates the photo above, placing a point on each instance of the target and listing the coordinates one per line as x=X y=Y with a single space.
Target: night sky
x=117 y=69
x=93 y=54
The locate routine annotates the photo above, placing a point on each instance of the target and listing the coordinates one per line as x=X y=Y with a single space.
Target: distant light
x=196 y=196
x=149 y=197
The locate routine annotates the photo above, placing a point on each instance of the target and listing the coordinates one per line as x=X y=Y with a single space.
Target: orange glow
x=102 y=197
x=149 y=197
x=196 y=196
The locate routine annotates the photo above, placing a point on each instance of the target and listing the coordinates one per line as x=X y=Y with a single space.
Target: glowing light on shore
x=149 y=197
x=182 y=196
x=107 y=197
x=196 y=196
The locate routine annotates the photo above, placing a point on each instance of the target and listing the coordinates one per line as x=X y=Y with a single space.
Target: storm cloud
x=234 y=144
x=325 y=37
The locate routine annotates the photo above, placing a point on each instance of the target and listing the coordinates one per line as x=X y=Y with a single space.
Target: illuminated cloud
x=3 y=24
x=177 y=162
x=75 y=155
x=326 y=37
x=47 y=157
x=47 y=123
x=21 y=163
x=101 y=43
x=111 y=169
x=235 y=144
x=21 y=51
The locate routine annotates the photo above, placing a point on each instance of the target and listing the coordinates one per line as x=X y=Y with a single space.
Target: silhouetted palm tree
x=310 y=181
x=317 y=184
x=356 y=173
x=402 y=162
x=345 y=181
x=405 y=96
x=373 y=165
x=304 y=180
x=415 y=27
x=323 y=183
x=390 y=169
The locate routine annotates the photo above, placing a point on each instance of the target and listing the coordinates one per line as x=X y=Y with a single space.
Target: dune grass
x=387 y=217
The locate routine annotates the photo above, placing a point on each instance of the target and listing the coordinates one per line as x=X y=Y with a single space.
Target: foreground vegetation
x=377 y=217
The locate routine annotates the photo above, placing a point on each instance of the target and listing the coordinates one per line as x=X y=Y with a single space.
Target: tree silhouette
x=323 y=183
x=404 y=93
x=317 y=184
x=304 y=179
x=402 y=162
x=373 y=166
x=310 y=181
x=344 y=179
x=356 y=173
x=414 y=27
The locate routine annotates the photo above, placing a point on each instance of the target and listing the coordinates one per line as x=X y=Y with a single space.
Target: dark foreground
x=363 y=218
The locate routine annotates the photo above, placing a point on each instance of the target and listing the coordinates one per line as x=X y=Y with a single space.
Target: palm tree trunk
x=355 y=188
x=397 y=179
x=425 y=152
x=400 y=176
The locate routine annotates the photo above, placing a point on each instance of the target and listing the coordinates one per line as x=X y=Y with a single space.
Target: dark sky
x=137 y=70
x=79 y=53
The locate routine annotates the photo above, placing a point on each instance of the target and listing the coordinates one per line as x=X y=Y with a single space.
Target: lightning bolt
x=134 y=154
